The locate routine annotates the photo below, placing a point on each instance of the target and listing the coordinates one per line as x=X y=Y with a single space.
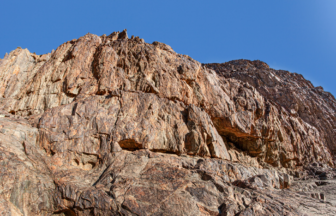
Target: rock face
x=289 y=90
x=116 y=126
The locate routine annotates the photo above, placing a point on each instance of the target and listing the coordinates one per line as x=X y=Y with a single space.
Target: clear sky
x=294 y=35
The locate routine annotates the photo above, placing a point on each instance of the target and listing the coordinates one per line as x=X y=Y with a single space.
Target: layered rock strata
x=116 y=126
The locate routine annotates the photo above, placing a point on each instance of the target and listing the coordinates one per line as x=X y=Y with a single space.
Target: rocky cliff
x=289 y=90
x=112 y=125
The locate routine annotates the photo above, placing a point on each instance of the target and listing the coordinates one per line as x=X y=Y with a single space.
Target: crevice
x=66 y=212
x=104 y=174
x=163 y=151
x=184 y=114
x=130 y=144
x=52 y=153
x=65 y=90
x=74 y=109
x=95 y=63
x=127 y=209
x=68 y=56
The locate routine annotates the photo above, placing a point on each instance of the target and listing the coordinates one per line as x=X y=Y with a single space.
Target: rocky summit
x=111 y=125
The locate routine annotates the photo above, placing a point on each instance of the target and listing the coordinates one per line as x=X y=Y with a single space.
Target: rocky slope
x=112 y=125
x=289 y=90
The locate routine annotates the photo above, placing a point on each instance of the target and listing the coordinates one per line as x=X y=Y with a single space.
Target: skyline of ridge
x=294 y=36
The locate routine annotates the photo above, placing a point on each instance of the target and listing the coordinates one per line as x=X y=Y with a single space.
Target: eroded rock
x=290 y=90
x=116 y=126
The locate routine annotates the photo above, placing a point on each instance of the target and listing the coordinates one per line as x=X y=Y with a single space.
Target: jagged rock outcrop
x=116 y=126
x=289 y=90
x=114 y=65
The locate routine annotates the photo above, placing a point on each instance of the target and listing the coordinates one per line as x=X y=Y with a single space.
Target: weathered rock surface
x=110 y=66
x=289 y=90
x=115 y=126
x=26 y=184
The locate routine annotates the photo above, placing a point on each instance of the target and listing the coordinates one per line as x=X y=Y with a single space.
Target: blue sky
x=299 y=36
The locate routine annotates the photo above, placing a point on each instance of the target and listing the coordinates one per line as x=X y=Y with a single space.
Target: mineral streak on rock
x=112 y=125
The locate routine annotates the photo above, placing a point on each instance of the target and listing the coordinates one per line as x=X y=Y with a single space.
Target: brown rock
x=24 y=174
x=115 y=126
x=112 y=65
x=289 y=90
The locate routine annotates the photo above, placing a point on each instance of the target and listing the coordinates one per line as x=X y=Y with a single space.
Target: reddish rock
x=289 y=90
x=116 y=126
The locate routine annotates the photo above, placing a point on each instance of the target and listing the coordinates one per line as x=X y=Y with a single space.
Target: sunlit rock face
x=289 y=91
x=112 y=125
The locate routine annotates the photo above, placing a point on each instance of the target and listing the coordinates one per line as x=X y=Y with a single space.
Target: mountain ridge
x=111 y=125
